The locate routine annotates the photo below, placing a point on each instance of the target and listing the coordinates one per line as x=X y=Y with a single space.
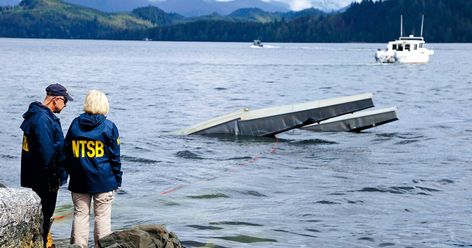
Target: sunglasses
x=63 y=99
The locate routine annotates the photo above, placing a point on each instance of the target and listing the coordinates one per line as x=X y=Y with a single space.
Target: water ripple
x=299 y=234
x=327 y=202
x=199 y=244
x=386 y=244
x=312 y=142
x=7 y=156
x=399 y=190
x=445 y=181
x=209 y=196
x=367 y=239
x=252 y=193
x=187 y=155
x=245 y=239
x=234 y=223
x=200 y=227
x=139 y=160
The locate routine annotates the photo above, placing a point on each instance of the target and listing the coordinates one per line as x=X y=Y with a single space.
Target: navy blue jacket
x=43 y=147
x=93 y=155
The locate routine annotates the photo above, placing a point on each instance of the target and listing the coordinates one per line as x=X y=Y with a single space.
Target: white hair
x=96 y=102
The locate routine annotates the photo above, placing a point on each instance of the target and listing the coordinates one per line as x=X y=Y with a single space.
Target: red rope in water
x=244 y=164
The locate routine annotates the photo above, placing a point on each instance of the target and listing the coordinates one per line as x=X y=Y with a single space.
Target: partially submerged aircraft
x=313 y=116
x=355 y=122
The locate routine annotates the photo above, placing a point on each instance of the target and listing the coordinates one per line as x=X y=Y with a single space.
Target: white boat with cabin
x=409 y=49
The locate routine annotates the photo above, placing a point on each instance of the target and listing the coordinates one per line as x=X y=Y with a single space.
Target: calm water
x=404 y=184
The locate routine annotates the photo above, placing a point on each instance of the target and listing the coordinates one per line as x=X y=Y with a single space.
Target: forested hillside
x=368 y=21
x=55 y=19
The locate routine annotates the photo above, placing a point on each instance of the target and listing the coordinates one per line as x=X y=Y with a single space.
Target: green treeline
x=55 y=19
x=367 y=21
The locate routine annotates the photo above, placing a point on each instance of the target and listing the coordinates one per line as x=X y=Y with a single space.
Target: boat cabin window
x=400 y=47
x=407 y=47
x=421 y=45
x=415 y=47
x=394 y=47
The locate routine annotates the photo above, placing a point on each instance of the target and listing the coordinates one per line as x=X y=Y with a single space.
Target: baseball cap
x=58 y=90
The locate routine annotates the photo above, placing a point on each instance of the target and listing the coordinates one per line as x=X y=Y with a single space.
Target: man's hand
x=53 y=181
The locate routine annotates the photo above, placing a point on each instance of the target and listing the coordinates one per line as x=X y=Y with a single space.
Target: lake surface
x=403 y=184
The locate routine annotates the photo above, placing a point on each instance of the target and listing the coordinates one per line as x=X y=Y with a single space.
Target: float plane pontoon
x=271 y=121
x=355 y=122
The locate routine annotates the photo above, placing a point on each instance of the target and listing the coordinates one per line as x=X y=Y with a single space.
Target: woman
x=93 y=161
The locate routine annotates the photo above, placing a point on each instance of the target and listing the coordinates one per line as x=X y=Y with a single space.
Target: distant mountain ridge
x=331 y=5
x=188 y=8
x=111 y=6
x=58 y=19
x=206 y=7
x=161 y=18
x=254 y=14
x=258 y=15
x=157 y=16
x=191 y=8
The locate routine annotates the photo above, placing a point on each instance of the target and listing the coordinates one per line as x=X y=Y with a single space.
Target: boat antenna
x=401 y=25
x=422 y=20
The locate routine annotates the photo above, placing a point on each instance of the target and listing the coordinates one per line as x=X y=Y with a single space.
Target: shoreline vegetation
x=367 y=21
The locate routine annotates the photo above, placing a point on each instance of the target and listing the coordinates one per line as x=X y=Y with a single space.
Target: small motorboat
x=257 y=43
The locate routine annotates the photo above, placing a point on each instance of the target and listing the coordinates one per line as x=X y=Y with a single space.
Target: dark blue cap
x=58 y=90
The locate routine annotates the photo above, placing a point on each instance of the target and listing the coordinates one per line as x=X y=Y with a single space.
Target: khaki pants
x=102 y=215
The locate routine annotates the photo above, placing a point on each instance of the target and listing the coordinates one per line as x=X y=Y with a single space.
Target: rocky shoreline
x=20 y=218
x=20 y=226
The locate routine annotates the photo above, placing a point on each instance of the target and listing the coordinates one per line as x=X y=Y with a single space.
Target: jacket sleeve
x=68 y=150
x=64 y=167
x=114 y=152
x=44 y=136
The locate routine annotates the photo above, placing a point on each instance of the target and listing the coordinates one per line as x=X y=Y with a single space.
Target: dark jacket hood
x=35 y=108
x=90 y=121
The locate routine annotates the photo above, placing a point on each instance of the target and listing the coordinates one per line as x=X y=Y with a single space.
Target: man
x=42 y=153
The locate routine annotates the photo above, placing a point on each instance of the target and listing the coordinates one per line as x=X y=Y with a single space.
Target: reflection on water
x=403 y=184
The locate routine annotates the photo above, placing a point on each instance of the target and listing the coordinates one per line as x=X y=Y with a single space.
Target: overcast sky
x=303 y=4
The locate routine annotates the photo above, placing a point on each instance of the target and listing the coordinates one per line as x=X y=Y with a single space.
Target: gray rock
x=2 y=186
x=71 y=246
x=64 y=243
x=20 y=218
x=144 y=236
